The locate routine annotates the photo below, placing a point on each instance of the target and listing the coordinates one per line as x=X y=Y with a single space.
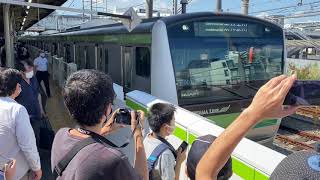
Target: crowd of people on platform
x=84 y=152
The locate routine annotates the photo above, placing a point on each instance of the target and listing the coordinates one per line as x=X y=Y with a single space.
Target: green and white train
x=208 y=63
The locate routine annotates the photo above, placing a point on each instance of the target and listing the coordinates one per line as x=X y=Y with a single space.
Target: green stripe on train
x=119 y=39
x=238 y=167
x=225 y=120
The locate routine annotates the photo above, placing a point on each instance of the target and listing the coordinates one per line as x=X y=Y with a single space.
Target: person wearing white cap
x=42 y=74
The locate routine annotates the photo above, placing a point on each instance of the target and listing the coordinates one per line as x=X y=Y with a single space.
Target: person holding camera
x=83 y=153
x=164 y=162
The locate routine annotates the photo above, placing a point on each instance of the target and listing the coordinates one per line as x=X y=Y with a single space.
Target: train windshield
x=223 y=60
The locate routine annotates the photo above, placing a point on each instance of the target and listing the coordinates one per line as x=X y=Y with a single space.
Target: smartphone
x=183 y=146
x=304 y=93
x=4 y=160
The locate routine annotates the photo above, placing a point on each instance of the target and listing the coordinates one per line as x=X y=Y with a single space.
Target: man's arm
x=140 y=164
x=35 y=64
x=267 y=103
x=26 y=139
x=40 y=103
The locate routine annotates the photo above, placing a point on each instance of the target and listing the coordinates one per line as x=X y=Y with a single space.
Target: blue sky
x=209 y=5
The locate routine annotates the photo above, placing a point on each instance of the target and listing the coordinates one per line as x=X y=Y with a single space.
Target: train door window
x=106 y=60
x=81 y=56
x=68 y=53
x=85 y=57
x=143 y=61
x=90 y=57
x=103 y=59
x=55 y=49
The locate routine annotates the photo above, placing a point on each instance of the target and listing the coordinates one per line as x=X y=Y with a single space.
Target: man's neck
x=26 y=79
x=154 y=135
x=95 y=129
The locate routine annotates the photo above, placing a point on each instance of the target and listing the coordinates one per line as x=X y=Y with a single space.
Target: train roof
x=147 y=24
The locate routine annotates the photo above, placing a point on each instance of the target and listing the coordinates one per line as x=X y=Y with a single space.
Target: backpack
x=152 y=159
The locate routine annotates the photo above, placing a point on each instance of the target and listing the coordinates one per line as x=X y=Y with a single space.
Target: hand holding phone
x=304 y=93
x=183 y=146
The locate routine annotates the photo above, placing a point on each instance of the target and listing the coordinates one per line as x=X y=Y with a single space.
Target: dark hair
x=86 y=94
x=20 y=66
x=159 y=114
x=9 y=79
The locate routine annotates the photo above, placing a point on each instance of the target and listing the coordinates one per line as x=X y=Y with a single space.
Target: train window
x=143 y=61
x=67 y=53
x=241 y=53
x=103 y=60
x=106 y=60
x=54 y=48
x=100 y=57
x=90 y=57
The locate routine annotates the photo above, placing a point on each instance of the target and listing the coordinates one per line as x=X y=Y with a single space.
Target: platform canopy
x=30 y=13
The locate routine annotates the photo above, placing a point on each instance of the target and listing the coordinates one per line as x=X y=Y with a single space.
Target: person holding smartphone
x=164 y=162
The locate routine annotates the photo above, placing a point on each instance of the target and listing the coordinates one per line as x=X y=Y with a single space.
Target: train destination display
x=226 y=29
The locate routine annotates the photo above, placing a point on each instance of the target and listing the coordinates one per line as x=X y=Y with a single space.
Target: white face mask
x=29 y=75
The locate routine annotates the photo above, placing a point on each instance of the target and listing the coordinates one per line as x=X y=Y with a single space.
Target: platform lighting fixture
x=21 y=28
x=27 y=12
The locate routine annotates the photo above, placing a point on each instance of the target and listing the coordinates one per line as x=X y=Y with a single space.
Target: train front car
x=214 y=64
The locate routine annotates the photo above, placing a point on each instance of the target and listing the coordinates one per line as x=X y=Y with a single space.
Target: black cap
x=301 y=165
x=197 y=150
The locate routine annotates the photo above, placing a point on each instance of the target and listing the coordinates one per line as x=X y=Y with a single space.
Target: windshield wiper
x=234 y=92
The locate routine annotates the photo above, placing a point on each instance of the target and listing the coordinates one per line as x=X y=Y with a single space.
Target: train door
x=103 y=58
x=127 y=66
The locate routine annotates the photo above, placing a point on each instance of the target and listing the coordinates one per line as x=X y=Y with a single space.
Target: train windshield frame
x=224 y=59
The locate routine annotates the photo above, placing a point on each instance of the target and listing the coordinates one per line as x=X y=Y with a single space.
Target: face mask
x=170 y=129
x=29 y=75
x=42 y=55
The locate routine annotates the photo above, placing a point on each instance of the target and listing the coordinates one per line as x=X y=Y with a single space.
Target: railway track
x=297 y=134
x=300 y=140
x=311 y=112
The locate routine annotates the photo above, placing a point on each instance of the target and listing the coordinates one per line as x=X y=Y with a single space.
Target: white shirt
x=41 y=63
x=17 y=139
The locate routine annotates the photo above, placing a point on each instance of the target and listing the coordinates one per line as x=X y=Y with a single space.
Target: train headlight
x=185 y=27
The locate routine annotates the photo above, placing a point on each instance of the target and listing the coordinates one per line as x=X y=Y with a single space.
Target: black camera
x=123 y=116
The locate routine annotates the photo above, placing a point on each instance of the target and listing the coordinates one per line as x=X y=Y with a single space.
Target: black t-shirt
x=95 y=161
x=29 y=98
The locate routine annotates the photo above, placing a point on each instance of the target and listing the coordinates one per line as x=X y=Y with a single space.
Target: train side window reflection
x=143 y=61
x=106 y=60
